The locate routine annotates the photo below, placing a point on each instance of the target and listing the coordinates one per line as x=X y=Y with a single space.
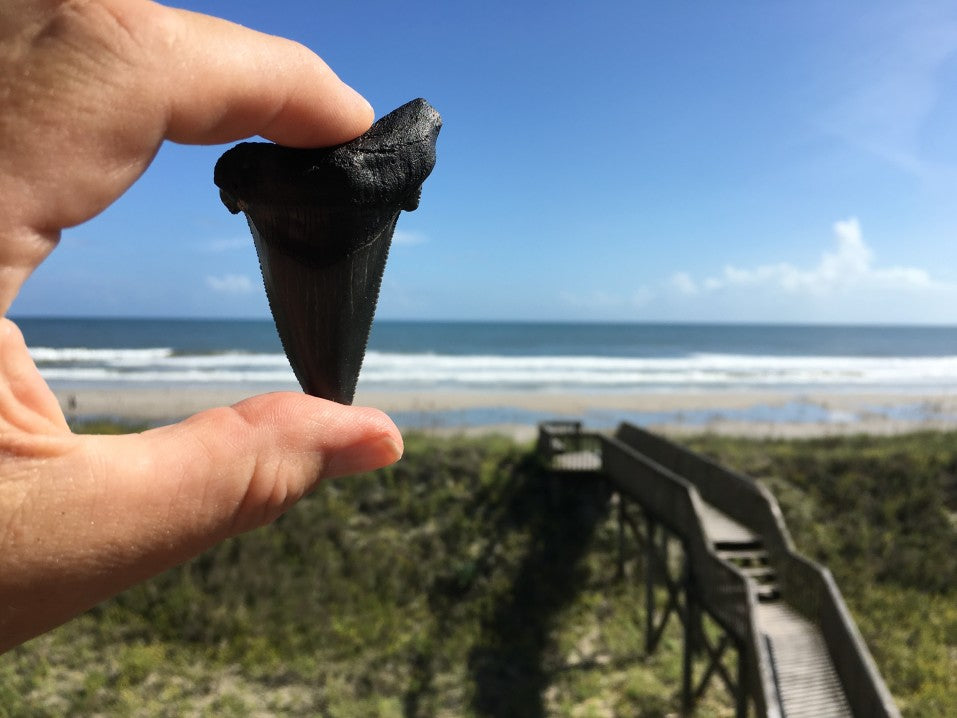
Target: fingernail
x=363 y=457
x=361 y=103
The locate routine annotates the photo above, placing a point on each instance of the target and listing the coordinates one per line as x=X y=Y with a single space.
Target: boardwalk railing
x=720 y=586
x=672 y=485
x=564 y=446
x=808 y=587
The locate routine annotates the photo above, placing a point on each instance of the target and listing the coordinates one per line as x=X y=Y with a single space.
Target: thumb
x=228 y=470
x=117 y=510
x=237 y=468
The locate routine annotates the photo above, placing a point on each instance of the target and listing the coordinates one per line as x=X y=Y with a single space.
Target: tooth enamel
x=322 y=221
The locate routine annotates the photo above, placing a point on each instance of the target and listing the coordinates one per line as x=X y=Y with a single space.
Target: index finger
x=225 y=82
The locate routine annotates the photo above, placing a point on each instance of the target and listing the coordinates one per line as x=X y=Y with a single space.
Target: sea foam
x=424 y=371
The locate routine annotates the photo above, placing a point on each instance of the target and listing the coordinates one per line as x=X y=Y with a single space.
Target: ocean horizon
x=425 y=355
x=635 y=366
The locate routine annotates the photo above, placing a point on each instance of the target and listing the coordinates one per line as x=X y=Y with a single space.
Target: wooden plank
x=721 y=528
x=808 y=683
x=577 y=461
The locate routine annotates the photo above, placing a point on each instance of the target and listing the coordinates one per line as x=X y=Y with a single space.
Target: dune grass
x=465 y=581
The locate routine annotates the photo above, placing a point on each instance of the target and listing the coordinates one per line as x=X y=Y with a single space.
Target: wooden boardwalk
x=808 y=684
x=799 y=654
x=722 y=529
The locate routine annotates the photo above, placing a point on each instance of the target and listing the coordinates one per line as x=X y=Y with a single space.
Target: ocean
x=508 y=356
x=546 y=357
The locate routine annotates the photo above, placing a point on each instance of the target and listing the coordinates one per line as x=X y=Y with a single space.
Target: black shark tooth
x=322 y=221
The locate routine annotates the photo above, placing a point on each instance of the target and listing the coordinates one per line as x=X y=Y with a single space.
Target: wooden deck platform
x=577 y=461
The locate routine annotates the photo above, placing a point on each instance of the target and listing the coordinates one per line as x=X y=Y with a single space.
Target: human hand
x=89 y=89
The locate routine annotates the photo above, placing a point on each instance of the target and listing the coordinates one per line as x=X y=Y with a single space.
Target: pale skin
x=89 y=89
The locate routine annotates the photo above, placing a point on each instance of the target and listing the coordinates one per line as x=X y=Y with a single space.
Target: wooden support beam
x=687 y=671
x=741 y=697
x=650 y=568
x=621 y=536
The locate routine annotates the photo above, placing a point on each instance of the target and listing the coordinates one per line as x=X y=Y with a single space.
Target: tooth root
x=322 y=222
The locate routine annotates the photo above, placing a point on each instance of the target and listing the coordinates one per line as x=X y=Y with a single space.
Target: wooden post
x=687 y=672
x=621 y=535
x=741 y=697
x=650 y=566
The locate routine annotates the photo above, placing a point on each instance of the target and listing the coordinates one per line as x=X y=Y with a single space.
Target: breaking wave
x=423 y=371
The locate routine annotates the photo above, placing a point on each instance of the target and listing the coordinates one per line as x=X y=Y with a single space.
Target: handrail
x=739 y=496
x=719 y=585
x=811 y=589
x=805 y=585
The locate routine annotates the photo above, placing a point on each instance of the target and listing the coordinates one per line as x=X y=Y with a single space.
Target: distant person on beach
x=89 y=89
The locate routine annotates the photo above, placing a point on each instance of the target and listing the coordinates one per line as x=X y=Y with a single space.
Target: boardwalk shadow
x=560 y=515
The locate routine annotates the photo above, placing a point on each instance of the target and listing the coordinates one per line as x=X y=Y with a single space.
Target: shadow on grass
x=560 y=515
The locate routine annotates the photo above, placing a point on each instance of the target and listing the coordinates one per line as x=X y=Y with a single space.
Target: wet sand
x=731 y=413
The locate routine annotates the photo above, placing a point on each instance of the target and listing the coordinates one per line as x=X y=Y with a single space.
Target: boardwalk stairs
x=799 y=652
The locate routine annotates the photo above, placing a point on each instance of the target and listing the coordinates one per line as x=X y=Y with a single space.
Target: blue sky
x=608 y=161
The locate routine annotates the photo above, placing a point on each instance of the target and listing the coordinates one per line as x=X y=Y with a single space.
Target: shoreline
x=777 y=414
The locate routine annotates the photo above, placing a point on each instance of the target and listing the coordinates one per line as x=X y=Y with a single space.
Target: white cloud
x=848 y=267
x=683 y=282
x=232 y=244
x=403 y=236
x=230 y=284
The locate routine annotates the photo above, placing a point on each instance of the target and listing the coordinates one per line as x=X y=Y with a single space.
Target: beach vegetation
x=466 y=581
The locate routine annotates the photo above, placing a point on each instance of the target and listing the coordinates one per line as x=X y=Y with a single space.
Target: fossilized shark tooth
x=322 y=221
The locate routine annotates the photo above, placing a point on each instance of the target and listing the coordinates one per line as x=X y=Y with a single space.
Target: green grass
x=466 y=582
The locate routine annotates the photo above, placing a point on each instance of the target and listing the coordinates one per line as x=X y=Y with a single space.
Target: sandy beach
x=769 y=414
